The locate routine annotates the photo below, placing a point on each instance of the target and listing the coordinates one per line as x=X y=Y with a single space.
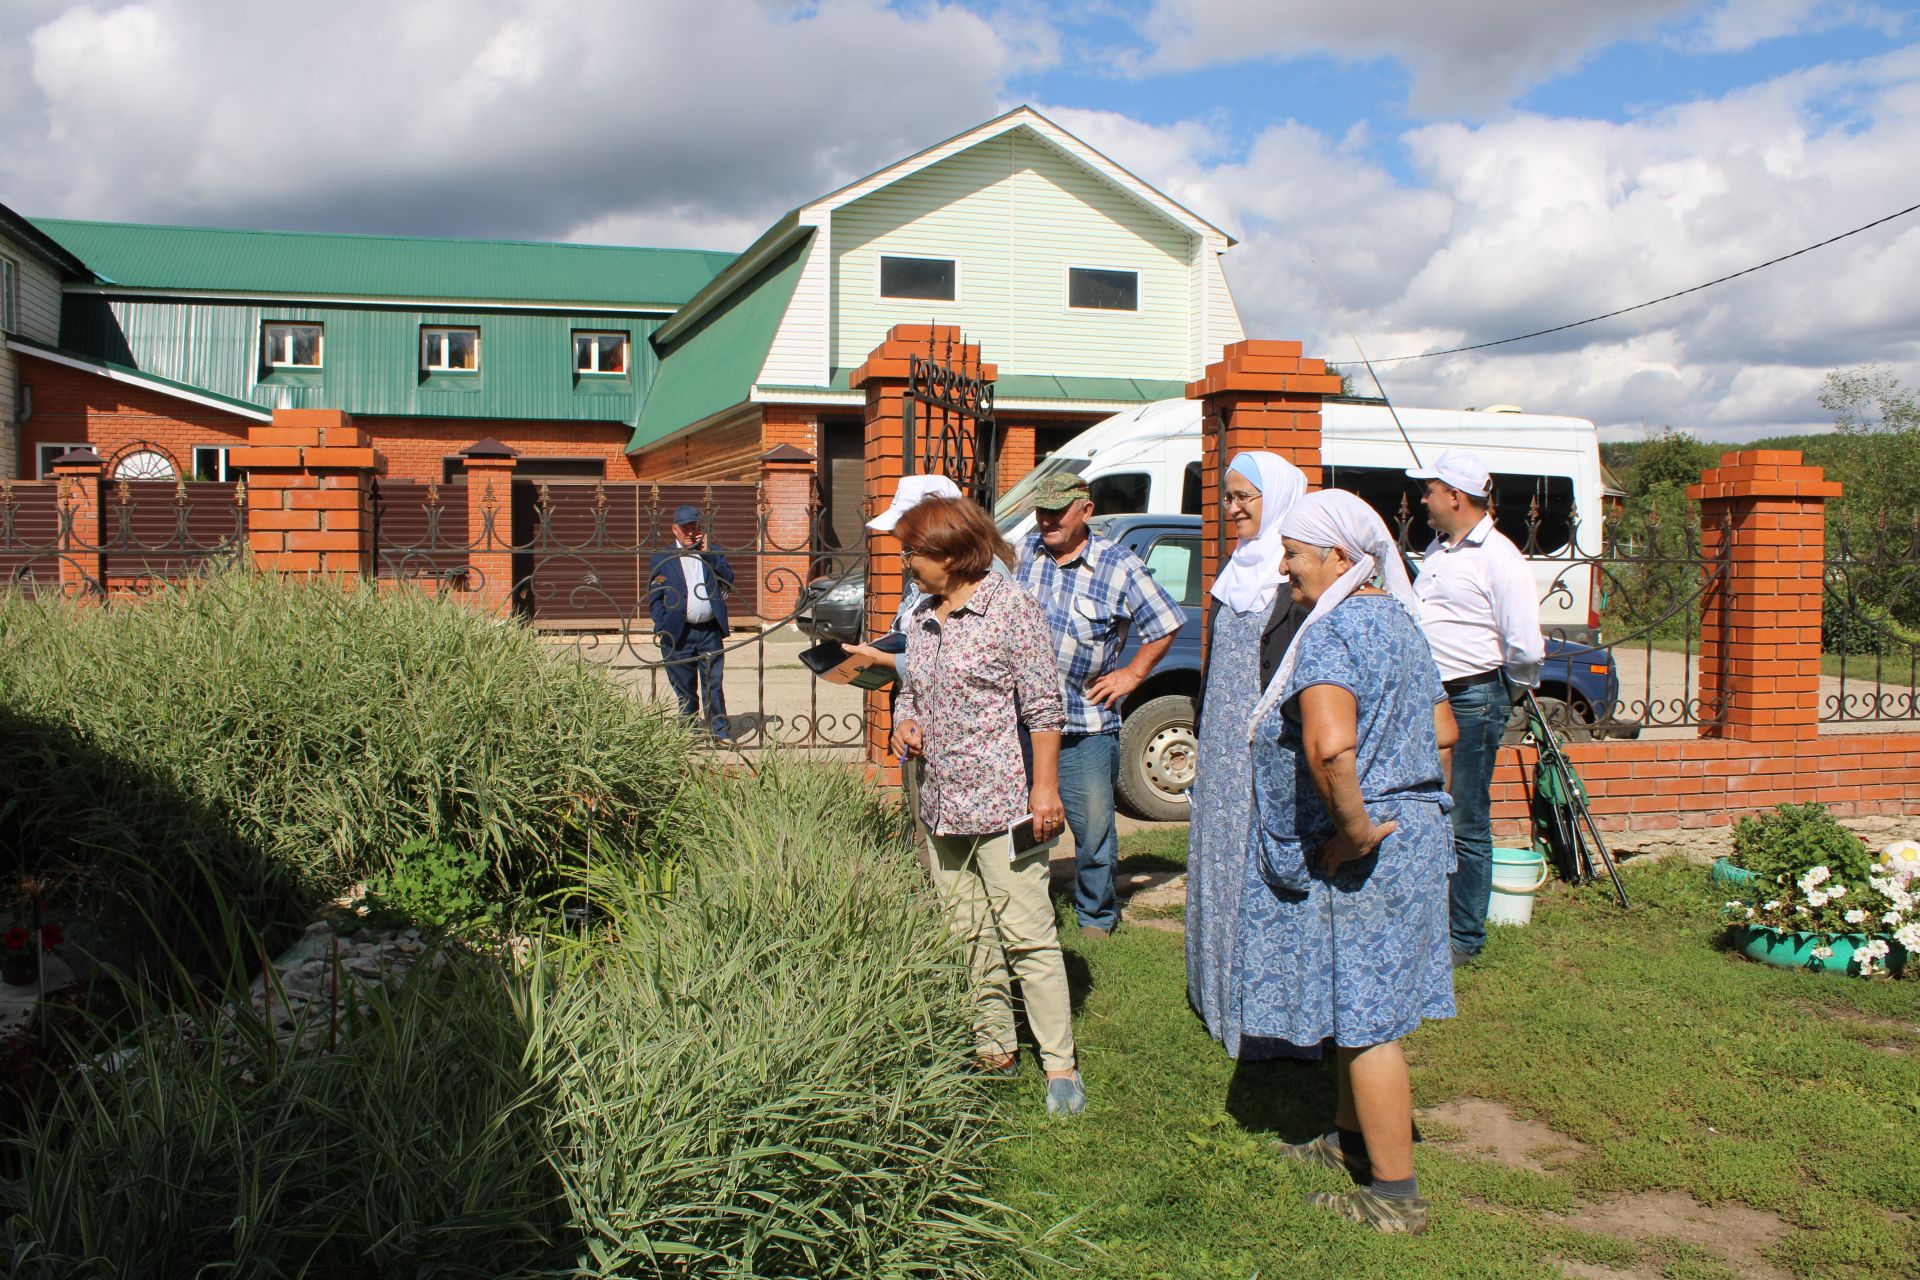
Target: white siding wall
x=1016 y=214
x=1222 y=318
x=799 y=356
x=39 y=318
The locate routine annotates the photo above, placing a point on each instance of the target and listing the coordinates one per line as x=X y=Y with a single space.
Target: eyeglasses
x=1228 y=498
x=908 y=553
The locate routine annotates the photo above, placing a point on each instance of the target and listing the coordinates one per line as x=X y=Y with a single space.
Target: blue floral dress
x=1222 y=917
x=1362 y=955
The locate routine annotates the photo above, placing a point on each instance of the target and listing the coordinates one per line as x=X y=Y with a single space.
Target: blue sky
x=1459 y=172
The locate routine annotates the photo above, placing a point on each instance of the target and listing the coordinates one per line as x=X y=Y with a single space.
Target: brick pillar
x=310 y=494
x=80 y=475
x=884 y=380
x=1260 y=394
x=1760 y=623
x=489 y=466
x=1016 y=454
x=792 y=509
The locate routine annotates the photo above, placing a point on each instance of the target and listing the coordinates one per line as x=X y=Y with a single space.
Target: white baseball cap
x=1461 y=469
x=912 y=492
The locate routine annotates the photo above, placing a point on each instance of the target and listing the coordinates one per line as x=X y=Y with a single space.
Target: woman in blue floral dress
x=1352 y=839
x=1253 y=620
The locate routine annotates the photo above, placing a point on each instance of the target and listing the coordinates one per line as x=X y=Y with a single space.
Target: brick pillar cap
x=82 y=457
x=489 y=448
x=786 y=453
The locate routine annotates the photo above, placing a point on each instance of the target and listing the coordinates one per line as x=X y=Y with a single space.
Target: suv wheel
x=1158 y=752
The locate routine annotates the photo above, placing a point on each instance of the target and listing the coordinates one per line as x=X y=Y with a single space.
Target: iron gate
x=947 y=422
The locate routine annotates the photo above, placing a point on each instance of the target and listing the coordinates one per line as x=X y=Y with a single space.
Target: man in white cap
x=1481 y=615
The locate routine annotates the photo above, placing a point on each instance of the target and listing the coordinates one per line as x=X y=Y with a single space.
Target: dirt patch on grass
x=1574 y=1269
x=1733 y=1233
x=1491 y=1132
x=1906 y=1026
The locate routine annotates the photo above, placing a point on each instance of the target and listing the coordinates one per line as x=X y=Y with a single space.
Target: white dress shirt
x=1478 y=606
x=694 y=570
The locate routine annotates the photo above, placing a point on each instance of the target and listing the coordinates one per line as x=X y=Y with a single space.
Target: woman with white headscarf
x=1350 y=744
x=1252 y=622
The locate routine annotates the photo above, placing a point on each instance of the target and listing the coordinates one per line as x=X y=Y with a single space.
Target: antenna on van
x=1384 y=398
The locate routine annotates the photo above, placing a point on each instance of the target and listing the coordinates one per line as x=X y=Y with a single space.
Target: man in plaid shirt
x=1094 y=594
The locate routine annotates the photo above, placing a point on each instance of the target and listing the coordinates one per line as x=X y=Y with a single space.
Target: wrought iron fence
x=580 y=563
x=1642 y=587
x=150 y=533
x=1870 y=624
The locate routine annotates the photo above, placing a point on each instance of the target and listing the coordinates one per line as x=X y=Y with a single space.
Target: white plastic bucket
x=1518 y=874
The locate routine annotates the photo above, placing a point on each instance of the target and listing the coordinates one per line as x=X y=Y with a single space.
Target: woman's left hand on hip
x=1345 y=847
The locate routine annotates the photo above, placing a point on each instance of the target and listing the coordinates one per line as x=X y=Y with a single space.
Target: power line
x=1562 y=328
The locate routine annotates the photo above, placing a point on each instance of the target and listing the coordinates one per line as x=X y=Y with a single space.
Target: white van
x=1148 y=459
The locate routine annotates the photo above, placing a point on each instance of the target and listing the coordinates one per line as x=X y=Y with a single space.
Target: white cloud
x=1740 y=24
x=479 y=117
x=1468 y=56
x=1529 y=222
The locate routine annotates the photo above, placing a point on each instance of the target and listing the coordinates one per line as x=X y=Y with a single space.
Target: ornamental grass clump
x=297 y=734
x=761 y=1073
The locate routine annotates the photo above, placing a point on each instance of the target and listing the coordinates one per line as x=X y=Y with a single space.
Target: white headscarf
x=1335 y=518
x=1252 y=575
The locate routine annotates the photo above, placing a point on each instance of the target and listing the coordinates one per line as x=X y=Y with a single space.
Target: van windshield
x=1018 y=501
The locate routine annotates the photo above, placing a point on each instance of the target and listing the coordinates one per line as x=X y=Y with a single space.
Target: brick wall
x=416 y=448
x=71 y=406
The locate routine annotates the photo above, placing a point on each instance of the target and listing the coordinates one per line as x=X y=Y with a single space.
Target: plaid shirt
x=1093 y=602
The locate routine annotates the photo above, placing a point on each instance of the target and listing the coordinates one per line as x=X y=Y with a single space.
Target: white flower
x=1855 y=916
x=1772 y=906
x=1802 y=911
x=1865 y=963
x=1823 y=952
x=1818 y=875
x=1908 y=936
x=1751 y=913
x=1874 y=947
x=1837 y=891
x=1891 y=919
x=1731 y=905
x=1816 y=899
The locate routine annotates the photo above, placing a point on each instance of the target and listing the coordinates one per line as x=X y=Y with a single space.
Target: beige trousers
x=1005 y=913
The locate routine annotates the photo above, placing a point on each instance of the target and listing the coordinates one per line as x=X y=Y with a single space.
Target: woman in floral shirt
x=980 y=666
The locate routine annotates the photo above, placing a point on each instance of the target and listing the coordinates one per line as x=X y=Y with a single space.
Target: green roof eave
x=44 y=245
x=135 y=377
x=713 y=364
x=280 y=264
x=774 y=241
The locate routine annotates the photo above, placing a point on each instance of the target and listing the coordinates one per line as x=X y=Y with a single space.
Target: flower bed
x=1821 y=899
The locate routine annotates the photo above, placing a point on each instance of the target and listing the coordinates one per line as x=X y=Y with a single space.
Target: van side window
x=1121 y=494
x=1175 y=565
x=1383 y=489
x=1190 y=491
x=1513 y=498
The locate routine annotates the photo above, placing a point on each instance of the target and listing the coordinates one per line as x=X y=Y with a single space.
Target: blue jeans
x=1089 y=767
x=1481 y=712
x=699 y=658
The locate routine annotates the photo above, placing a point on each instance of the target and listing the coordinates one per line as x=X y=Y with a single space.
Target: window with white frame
x=600 y=353
x=1103 y=289
x=211 y=462
x=46 y=453
x=919 y=279
x=9 y=294
x=450 y=350
x=290 y=346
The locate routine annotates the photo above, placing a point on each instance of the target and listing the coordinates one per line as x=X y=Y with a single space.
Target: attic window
x=1103 y=289
x=599 y=353
x=290 y=346
x=450 y=350
x=919 y=279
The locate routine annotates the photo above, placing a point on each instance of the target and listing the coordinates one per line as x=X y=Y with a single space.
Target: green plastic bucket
x=1518 y=874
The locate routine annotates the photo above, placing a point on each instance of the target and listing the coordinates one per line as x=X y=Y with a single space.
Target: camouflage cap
x=1061 y=489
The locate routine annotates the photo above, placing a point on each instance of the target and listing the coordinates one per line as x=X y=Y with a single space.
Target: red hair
x=957 y=532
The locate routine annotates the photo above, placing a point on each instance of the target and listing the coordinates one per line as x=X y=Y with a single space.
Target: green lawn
x=1893 y=668
x=1678 y=1066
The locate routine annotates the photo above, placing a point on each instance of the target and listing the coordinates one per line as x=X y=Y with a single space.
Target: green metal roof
x=129 y=373
x=299 y=263
x=713 y=365
x=1045 y=386
x=23 y=230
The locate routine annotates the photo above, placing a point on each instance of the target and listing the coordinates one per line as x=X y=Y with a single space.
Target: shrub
x=1779 y=846
x=762 y=1075
x=435 y=884
x=302 y=733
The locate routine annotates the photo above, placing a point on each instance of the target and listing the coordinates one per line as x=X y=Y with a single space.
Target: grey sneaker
x=1361 y=1205
x=1324 y=1152
x=1066 y=1097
